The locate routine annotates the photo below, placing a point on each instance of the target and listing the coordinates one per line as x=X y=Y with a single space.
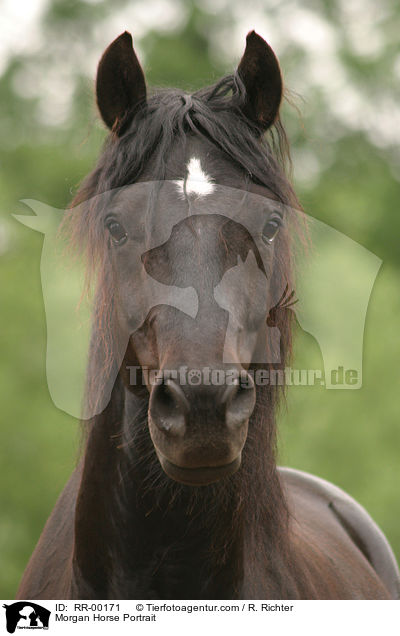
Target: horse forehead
x=200 y=231
x=213 y=240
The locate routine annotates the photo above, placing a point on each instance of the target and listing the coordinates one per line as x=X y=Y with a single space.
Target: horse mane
x=214 y=113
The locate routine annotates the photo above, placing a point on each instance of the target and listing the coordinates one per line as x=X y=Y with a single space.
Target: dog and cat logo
x=26 y=615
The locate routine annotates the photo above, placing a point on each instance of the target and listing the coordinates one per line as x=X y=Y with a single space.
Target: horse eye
x=270 y=230
x=117 y=231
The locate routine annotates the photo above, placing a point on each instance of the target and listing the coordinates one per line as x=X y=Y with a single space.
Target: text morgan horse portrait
x=177 y=494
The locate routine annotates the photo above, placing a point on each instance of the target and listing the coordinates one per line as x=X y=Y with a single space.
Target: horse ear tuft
x=259 y=71
x=120 y=83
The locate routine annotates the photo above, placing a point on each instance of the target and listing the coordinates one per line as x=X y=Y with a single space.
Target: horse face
x=193 y=294
x=199 y=302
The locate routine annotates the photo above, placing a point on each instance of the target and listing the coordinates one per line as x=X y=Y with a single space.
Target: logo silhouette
x=26 y=615
x=333 y=283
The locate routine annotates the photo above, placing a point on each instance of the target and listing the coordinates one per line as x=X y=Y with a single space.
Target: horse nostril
x=239 y=400
x=168 y=407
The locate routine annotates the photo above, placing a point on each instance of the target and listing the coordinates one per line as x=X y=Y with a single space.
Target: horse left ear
x=260 y=73
x=120 y=83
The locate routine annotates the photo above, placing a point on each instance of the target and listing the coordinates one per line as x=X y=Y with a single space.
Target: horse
x=178 y=493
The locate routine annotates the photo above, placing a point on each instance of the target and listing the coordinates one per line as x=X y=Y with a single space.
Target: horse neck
x=139 y=533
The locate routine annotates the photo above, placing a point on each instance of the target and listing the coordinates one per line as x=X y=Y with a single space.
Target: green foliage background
x=351 y=181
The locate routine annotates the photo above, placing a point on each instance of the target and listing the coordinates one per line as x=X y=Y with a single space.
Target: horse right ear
x=120 y=84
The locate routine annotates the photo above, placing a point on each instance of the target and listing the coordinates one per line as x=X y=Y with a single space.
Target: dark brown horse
x=178 y=494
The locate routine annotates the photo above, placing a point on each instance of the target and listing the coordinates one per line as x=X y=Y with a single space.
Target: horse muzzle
x=199 y=431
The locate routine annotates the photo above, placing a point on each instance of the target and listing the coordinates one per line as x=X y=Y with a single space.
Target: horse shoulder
x=48 y=573
x=333 y=504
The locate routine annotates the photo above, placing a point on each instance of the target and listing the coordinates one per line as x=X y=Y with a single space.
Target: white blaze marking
x=197 y=181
